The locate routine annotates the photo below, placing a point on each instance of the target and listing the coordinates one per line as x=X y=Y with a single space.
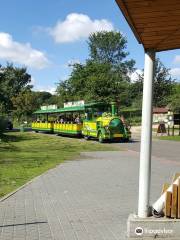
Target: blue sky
x=47 y=35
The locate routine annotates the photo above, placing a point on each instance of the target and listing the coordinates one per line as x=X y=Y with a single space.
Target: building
x=160 y=114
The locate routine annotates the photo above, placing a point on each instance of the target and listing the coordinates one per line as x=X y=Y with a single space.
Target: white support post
x=146 y=136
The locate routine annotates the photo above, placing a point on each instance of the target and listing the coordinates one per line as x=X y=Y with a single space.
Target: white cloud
x=177 y=59
x=135 y=75
x=11 y=50
x=50 y=89
x=33 y=81
x=78 y=26
x=175 y=72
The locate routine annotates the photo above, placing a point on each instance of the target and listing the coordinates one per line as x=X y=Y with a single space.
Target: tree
x=163 y=85
x=13 y=80
x=43 y=97
x=175 y=99
x=105 y=76
x=135 y=92
x=27 y=101
x=93 y=82
x=108 y=47
x=24 y=104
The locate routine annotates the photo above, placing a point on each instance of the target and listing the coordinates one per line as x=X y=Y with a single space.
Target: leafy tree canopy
x=92 y=81
x=107 y=47
x=175 y=99
x=24 y=104
x=105 y=76
x=13 y=80
x=163 y=85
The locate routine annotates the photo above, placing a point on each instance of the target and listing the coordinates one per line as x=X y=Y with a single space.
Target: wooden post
x=173 y=130
x=168 y=129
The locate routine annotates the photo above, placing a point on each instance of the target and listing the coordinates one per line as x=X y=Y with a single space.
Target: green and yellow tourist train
x=92 y=120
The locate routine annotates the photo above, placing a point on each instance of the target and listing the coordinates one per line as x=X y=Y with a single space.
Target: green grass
x=26 y=155
x=172 y=138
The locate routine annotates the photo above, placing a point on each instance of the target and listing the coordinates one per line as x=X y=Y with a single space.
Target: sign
x=49 y=107
x=74 y=104
x=161 y=128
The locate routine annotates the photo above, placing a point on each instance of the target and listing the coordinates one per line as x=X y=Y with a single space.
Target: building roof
x=160 y=110
x=155 y=23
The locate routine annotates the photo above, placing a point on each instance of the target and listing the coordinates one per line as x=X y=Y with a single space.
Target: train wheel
x=86 y=137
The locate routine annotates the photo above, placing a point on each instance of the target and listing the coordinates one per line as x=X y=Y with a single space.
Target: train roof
x=61 y=110
x=72 y=109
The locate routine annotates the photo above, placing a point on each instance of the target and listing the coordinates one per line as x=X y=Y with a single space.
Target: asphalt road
x=169 y=150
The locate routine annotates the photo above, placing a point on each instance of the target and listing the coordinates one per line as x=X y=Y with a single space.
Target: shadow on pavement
x=21 y=224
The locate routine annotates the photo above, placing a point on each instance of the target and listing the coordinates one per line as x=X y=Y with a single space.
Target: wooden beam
x=124 y=10
x=154 y=22
x=176 y=175
x=168 y=199
x=174 y=201
x=178 y=213
x=165 y=187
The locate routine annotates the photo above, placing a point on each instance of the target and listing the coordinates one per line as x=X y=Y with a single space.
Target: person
x=61 y=120
x=123 y=119
x=77 y=120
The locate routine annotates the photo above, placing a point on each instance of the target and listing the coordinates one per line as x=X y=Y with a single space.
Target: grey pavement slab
x=87 y=199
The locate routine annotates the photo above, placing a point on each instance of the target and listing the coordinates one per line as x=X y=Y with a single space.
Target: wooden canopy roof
x=155 y=23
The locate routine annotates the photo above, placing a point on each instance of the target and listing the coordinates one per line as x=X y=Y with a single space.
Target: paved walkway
x=89 y=199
